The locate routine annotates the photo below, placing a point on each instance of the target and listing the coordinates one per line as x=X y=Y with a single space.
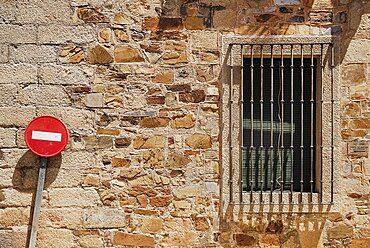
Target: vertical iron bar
x=241 y=127
x=272 y=124
x=261 y=128
x=252 y=127
x=231 y=128
x=312 y=124
x=332 y=124
x=321 y=120
x=302 y=102
x=291 y=120
x=282 y=125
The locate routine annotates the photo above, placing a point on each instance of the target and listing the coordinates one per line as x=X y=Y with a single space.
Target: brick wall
x=138 y=85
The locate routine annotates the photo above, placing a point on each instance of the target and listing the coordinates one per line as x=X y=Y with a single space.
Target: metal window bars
x=286 y=148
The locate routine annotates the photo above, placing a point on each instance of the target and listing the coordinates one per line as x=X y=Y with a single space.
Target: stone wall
x=137 y=82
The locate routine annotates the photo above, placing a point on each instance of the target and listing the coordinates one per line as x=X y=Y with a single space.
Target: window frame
x=231 y=78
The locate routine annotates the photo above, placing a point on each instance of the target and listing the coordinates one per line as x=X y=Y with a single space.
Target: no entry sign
x=46 y=136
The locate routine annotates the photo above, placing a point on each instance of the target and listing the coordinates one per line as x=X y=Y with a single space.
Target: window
x=278 y=124
x=279 y=114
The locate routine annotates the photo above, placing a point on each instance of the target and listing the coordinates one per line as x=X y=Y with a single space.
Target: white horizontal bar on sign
x=47 y=136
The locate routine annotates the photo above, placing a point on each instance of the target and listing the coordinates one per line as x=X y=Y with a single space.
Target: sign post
x=45 y=136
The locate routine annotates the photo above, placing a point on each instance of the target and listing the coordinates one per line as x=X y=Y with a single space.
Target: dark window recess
x=279 y=124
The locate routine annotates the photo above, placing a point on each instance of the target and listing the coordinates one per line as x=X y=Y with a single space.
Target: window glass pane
x=264 y=166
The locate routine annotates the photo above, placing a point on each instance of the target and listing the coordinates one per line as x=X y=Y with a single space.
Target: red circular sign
x=46 y=136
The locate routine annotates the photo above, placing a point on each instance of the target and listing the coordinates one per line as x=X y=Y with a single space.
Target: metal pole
x=38 y=199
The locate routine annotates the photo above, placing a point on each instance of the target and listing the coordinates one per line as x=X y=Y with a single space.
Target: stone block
x=74 y=197
x=43 y=95
x=121 y=162
x=7 y=137
x=359 y=92
x=204 y=73
x=361 y=123
x=195 y=96
x=178 y=46
x=104 y=218
x=18 y=74
x=156 y=100
x=54 y=238
x=33 y=54
x=130 y=173
x=199 y=141
x=242 y=239
x=104 y=35
x=125 y=54
x=92 y=180
x=71 y=54
x=18 y=34
x=153 y=159
x=91 y=15
x=84 y=159
x=94 y=100
x=354 y=74
x=121 y=35
x=207 y=40
x=65 y=74
x=157 y=141
x=121 y=238
x=91 y=241
x=70 y=218
x=17 y=117
x=15 y=238
x=8 y=10
x=358 y=51
x=99 y=55
x=177 y=161
x=187 y=191
x=13 y=198
x=98 y=142
x=108 y=131
x=59 y=177
x=182 y=204
x=179 y=87
x=151 y=225
x=140 y=190
x=187 y=239
x=194 y=23
x=122 y=19
x=14 y=217
x=173 y=58
x=142 y=180
x=6 y=177
x=177 y=225
x=340 y=232
x=154 y=122
x=162 y=23
x=183 y=121
x=122 y=142
x=201 y=223
x=61 y=34
x=43 y=12
x=163 y=77
x=8 y=94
